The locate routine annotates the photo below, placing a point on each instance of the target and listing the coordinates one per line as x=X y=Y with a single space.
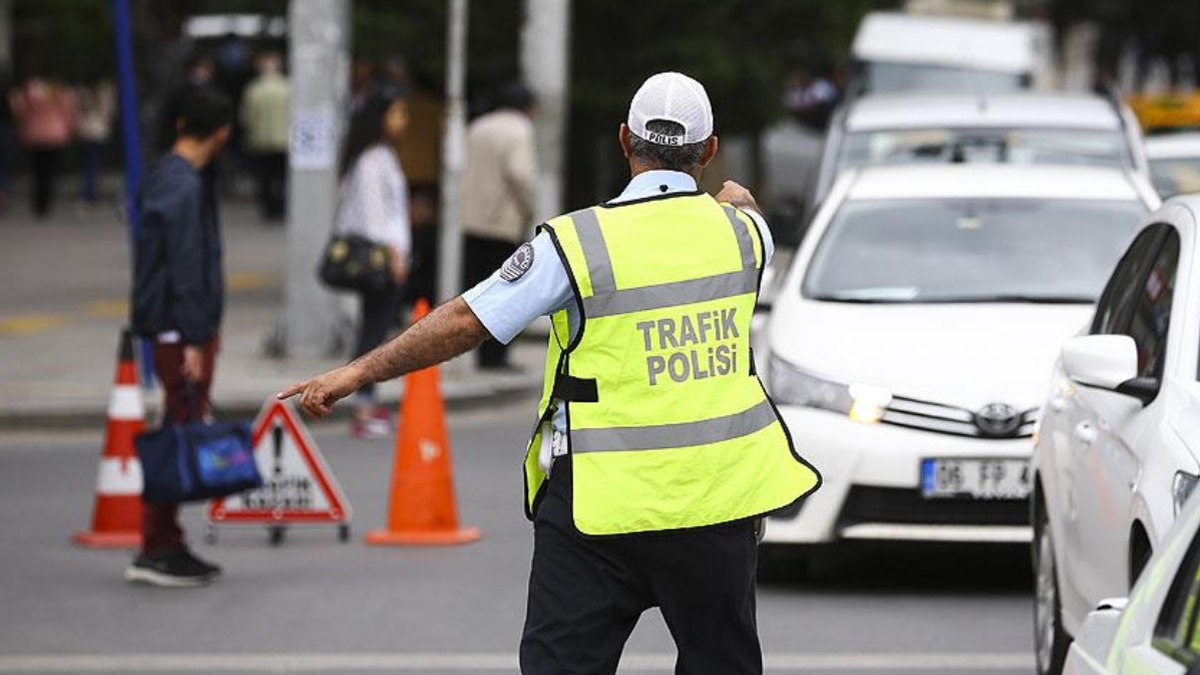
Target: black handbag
x=354 y=263
x=196 y=461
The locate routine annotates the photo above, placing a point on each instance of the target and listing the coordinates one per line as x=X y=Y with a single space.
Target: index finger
x=291 y=391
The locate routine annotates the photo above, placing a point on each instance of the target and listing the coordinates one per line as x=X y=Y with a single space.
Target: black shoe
x=213 y=571
x=172 y=569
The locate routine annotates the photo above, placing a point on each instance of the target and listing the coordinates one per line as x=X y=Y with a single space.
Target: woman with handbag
x=373 y=205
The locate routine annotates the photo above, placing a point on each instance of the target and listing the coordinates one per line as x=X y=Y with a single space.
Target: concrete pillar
x=319 y=66
x=545 y=66
x=454 y=152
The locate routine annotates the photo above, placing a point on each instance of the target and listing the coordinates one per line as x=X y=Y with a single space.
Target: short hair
x=685 y=158
x=204 y=110
x=517 y=96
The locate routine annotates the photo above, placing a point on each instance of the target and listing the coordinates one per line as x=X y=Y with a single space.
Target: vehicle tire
x=1050 y=640
x=783 y=562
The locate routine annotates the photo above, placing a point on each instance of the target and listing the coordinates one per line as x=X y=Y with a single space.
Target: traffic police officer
x=657 y=449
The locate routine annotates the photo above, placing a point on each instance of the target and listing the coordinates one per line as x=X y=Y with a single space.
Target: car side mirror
x=1100 y=626
x=1107 y=362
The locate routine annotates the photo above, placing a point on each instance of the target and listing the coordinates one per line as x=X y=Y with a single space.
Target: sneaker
x=211 y=570
x=168 y=569
x=369 y=428
x=384 y=415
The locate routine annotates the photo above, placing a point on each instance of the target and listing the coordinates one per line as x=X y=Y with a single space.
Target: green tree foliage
x=68 y=39
x=741 y=50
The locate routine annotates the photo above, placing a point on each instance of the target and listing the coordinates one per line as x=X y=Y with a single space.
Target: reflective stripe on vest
x=679 y=432
x=681 y=435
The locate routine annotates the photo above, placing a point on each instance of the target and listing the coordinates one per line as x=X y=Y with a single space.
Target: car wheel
x=1049 y=639
x=780 y=563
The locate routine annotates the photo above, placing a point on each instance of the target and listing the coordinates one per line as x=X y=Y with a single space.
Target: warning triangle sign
x=298 y=486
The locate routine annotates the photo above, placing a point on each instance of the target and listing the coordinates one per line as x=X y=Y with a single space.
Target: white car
x=1154 y=630
x=1012 y=128
x=1117 y=447
x=1174 y=163
x=908 y=343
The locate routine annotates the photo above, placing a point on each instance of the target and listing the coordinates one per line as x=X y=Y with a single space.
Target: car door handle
x=1085 y=433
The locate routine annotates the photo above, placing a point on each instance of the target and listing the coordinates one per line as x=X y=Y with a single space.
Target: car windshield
x=1006 y=146
x=970 y=250
x=882 y=76
x=1178 y=175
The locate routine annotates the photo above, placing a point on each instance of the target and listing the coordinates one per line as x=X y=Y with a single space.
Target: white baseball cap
x=673 y=97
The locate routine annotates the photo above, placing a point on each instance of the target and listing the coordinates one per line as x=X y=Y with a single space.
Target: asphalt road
x=316 y=605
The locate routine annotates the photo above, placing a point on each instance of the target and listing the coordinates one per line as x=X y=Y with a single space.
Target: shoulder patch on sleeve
x=517 y=264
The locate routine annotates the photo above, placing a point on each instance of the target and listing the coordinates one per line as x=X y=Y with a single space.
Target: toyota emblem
x=998 y=419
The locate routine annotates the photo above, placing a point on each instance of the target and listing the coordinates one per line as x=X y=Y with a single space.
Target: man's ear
x=222 y=135
x=623 y=139
x=710 y=150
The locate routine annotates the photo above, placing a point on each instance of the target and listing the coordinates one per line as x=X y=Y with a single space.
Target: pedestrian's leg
x=491 y=254
x=475 y=270
x=40 y=159
x=91 y=167
x=582 y=606
x=703 y=581
x=262 y=176
x=378 y=315
x=53 y=161
x=160 y=522
x=160 y=528
x=278 y=185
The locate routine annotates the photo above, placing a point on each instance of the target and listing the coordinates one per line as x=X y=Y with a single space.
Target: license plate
x=975 y=478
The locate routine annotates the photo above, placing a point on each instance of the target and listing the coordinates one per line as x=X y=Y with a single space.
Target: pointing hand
x=318 y=395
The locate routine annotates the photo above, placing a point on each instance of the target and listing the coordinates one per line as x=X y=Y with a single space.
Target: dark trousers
x=481 y=257
x=45 y=160
x=271 y=168
x=93 y=160
x=586 y=594
x=160 y=522
x=379 y=310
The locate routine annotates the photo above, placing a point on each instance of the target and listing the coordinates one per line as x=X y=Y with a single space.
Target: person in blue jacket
x=178 y=297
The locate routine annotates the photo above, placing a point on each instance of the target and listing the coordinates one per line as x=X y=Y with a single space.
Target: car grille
x=945 y=419
x=907 y=506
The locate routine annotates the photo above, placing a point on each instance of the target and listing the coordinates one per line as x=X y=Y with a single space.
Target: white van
x=897 y=52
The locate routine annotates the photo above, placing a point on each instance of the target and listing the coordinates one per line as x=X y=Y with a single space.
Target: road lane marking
x=107 y=309
x=485 y=661
x=26 y=324
x=114 y=308
x=250 y=281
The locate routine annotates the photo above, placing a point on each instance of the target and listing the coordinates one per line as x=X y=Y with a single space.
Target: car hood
x=966 y=355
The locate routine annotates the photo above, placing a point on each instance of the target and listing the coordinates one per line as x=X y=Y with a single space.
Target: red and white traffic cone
x=117 y=516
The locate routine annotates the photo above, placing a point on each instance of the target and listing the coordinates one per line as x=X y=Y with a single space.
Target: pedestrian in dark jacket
x=178 y=298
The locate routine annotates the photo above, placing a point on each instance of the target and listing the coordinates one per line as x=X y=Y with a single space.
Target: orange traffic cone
x=117 y=516
x=421 y=511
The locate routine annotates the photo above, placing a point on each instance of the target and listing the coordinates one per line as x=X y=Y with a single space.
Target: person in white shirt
x=374 y=204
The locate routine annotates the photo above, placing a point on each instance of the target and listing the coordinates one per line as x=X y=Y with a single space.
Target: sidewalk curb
x=458 y=398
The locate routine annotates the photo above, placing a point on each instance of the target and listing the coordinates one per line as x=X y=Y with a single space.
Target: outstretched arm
x=448 y=331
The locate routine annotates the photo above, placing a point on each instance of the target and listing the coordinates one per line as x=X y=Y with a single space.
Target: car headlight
x=1181 y=489
x=794 y=386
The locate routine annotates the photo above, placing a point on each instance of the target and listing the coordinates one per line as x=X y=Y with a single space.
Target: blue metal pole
x=131 y=142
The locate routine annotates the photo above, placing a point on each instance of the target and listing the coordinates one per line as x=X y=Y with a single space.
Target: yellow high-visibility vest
x=668 y=425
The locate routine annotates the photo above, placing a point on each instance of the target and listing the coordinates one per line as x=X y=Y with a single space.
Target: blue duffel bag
x=196 y=461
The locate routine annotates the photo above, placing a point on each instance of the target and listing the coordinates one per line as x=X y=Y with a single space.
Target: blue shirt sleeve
x=506 y=307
